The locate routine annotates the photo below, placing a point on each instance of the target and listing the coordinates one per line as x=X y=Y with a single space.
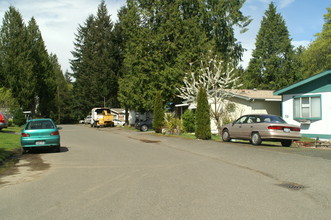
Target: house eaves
x=302 y=83
x=241 y=97
x=254 y=94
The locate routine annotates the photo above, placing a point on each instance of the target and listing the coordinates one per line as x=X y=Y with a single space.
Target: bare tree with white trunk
x=219 y=80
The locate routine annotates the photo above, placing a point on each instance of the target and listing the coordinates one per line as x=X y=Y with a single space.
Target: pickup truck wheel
x=256 y=138
x=144 y=128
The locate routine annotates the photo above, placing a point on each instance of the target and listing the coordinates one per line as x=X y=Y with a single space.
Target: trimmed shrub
x=19 y=118
x=189 y=121
x=158 y=113
x=202 y=116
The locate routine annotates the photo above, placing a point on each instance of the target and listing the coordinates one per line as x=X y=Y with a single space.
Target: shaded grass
x=9 y=143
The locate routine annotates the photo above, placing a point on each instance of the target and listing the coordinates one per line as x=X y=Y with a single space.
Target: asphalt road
x=115 y=173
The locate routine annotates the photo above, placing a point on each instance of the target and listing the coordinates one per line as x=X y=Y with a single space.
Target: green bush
x=189 y=121
x=158 y=113
x=173 y=125
x=19 y=118
x=202 y=117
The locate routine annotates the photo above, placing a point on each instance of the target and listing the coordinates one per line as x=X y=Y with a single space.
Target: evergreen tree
x=317 y=57
x=189 y=120
x=272 y=59
x=43 y=73
x=94 y=66
x=17 y=67
x=202 y=117
x=159 y=43
x=85 y=84
x=104 y=63
x=218 y=20
x=158 y=113
x=130 y=91
x=63 y=95
x=162 y=37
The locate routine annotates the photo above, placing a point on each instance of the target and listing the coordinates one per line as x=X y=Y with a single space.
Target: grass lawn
x=10 y=142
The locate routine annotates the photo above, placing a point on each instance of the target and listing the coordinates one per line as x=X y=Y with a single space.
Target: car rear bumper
x=43 y=142
x=280 y=135
x=3 y=125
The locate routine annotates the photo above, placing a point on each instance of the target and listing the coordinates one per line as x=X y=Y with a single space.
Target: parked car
x=118 y=122
x=144 y=125
x=261 y=127
x=81 y=122
x=40 y=133
x=87 y=120
x=3 y=121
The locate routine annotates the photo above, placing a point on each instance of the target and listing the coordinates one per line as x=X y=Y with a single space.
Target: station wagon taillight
x=2 y=119
x=25 y=135
x=274 y=127
x=55 y=133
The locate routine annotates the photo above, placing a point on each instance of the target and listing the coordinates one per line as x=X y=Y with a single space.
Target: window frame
x=310 y=107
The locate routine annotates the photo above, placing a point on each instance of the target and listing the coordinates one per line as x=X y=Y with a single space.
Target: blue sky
x=58 y=20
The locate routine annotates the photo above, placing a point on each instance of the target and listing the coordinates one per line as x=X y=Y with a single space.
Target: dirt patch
x=27 y=168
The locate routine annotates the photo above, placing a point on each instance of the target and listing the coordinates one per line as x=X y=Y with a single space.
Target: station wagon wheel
x=286 y=143
x=144 y=128
x=226 y=135
x=256 y=138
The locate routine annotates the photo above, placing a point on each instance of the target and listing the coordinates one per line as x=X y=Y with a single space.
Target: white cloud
x=285 y=3
x=304 y=43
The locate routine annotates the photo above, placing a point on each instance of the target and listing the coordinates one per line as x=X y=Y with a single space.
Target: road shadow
x=63 y=149
x=269 y=145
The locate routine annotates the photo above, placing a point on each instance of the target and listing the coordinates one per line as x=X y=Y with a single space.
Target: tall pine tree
x=271 y=63
x=45 y=77
x=317 y=57
x=17 y=67
x=94 y=66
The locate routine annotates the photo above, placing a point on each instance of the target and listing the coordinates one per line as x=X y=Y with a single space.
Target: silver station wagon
x=261 y=127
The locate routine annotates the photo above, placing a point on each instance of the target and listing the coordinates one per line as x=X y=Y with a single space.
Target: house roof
x=251 y=94
x=303 y=82
x=118 y=110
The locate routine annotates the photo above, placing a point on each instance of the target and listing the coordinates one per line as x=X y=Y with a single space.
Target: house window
x=307 y=107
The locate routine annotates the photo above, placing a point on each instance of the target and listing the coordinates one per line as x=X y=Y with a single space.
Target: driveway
x=114 y=173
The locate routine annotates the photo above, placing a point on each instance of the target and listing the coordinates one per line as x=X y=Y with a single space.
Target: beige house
x=247 y=101
x=251 y=101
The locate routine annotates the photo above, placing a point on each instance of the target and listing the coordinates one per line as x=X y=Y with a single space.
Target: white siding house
x=308 y=104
